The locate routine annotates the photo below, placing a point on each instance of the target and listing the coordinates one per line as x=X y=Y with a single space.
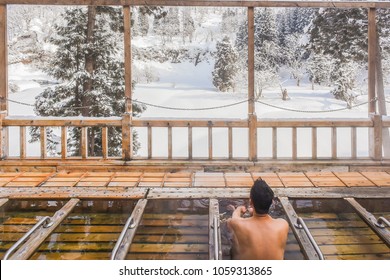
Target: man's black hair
x=262 y=196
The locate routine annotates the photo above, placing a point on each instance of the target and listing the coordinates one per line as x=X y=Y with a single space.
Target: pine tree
x=86 y=62
x=225 y=67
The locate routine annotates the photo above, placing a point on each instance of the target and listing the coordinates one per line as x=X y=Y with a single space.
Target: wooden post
x=128 y=59
x=127 y=137
x=189 y=142
x=294 y=144
x=314 y=143
x=334 y=142
x=105 y=142
x=372 y=48
x=150 y=142
x=230 y=133
x=84 y=142
x=252 y=118
x=169 y=141
x=210 y=140
x=64 y=144
x=252 y=137
x=22 y=139
x=376 y=138
x=3 y=59
x=42 y=137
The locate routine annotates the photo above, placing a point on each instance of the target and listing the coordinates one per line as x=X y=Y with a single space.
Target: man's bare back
x=257 y=237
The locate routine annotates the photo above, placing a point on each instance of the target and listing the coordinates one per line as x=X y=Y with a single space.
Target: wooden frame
x=37 y=238
x=129 y=233
x=370 y=220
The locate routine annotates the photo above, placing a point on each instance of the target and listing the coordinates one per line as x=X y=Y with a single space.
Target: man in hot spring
x=259 y=236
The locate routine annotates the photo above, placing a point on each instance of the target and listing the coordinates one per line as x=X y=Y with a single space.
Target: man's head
x=261 y=196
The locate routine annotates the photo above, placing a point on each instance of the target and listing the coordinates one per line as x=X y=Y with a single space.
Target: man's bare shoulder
x=282 y=223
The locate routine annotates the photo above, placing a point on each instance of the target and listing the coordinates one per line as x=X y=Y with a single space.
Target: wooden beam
x=252 y=130
x=370 y=220
x=37 y=238
x=375 y=140
x=64 y=142
x=353 y=143
x=3 y=58
x=314 y=143
x=303 y=240
x=62 y=121
x=127 y=137
x=210 y=141
x=3 y=201
x=150 y=142
x=215 y=252
x=84 y=142
x=372 y=48
x=230 y=142
x=128 y=59
x=334 y=142
x=105 y=142
x=122 y=247
x=42 y=138
x=209 y=3
x=294 y=144
x=169 y=142
x=22 y=139
x=190 y=142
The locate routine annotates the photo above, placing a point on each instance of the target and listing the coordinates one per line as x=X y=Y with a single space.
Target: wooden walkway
x=163 y=232
x=194 y=179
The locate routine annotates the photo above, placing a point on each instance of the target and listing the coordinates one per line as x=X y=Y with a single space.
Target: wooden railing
x=373 y=125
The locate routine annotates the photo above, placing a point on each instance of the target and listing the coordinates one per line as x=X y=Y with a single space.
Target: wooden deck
x=163 y=231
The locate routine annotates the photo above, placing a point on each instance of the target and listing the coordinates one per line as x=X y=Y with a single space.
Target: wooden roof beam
x=206 y=3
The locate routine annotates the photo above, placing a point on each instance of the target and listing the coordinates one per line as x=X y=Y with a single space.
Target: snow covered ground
x=186 y=86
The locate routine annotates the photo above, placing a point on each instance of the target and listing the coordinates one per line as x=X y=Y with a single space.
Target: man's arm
x=238 y=212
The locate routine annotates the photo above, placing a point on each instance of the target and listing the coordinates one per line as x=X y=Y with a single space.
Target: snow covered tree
x=87 y=64
x=225 y=67
x=188 y=25
x=345 y=82
x=320 y=68
x=342 y=33
x=143 y=24
x=168 y=26
x=294 y=55
x=267 y=49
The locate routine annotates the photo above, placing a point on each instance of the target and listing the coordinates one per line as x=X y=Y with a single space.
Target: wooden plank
x=210 y=179
x=355 y=249
x=123 y=245
x=354 y=179
x=238 y=180
x=324 y=179
x=381 y=179
x=303 y=240
x=365 y=256
x=168 y=256
x=3 y=201
x=39 y=236
x=294 y=179
x=370 y=220
x=271 y=178
x=251 y=61
x=168 y=248
x=215 y=252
